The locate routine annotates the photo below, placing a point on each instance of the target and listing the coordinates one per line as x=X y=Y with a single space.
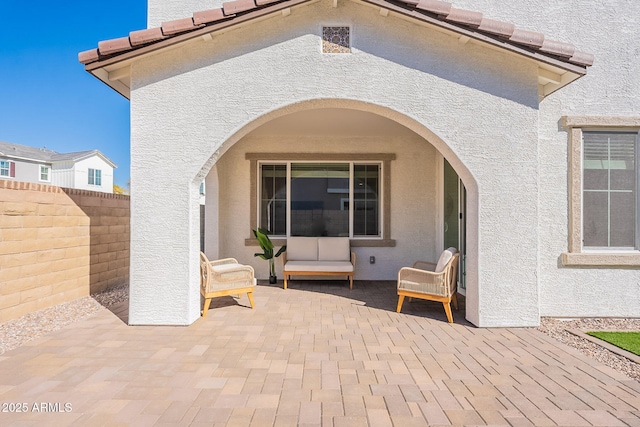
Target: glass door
x=454 y=217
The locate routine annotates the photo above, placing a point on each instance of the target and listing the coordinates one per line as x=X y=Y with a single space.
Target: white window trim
x=384 y=159
x=577 y=255
x=94 y=177
x=9 y=171
x=48 y=173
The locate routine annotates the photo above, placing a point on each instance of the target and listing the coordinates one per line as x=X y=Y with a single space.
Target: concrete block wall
x=57 y=245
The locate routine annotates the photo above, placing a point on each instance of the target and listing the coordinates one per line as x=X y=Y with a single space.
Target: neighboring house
x=87 y=170
x=408 y=126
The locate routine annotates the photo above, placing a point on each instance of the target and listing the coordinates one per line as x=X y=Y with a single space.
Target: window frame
x=8 y=168
x=384 y=160
x=578 y=254
x=97 y=177
x=350 y=199
x=48 y=171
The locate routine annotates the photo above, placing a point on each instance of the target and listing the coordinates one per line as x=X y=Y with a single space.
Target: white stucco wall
x=609 y=30
x=482 y=103
x=159 y=11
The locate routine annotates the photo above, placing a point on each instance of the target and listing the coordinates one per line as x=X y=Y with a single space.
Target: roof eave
x=562 y=72
x=102 y=75
x=496 y=42
x=106 y=159
x=26 y=159
x=97 y=68
x=84 y=156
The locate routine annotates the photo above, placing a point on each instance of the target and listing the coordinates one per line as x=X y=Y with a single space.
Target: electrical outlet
x=372 y=259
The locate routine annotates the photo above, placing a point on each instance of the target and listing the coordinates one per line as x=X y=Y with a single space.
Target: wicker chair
x=434 y=282
x=224 y=277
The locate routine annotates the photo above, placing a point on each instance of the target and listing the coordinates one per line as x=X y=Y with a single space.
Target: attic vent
x=336 y=40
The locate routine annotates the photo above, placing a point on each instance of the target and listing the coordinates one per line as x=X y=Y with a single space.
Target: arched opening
x=330 y=145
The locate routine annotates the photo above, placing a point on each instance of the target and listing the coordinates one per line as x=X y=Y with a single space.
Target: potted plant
x=267 y=251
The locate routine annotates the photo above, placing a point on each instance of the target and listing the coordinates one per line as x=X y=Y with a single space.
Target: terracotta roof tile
x=112 y=46
x=558 y=48
x=435 y=6
x=142 y=37
x=178 y=26
x=237 y=6
x=88 y=56
x=527 y=38
x=208 y=16
x=499 y=28
x=582 y=58
x=468 y=22
x=466 y=17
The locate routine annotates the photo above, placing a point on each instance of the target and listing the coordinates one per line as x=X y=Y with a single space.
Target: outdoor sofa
x=318 y=256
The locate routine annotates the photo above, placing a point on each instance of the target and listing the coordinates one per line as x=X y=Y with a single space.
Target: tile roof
x=8 y=149
x=437 y=12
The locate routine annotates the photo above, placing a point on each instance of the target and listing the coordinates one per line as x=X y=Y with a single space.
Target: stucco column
x=165 y=242
x=211 y=207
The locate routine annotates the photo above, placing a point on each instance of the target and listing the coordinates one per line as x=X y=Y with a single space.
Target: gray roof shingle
x=44 y=155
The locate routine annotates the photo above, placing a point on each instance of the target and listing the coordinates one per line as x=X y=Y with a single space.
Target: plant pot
x=273 y=280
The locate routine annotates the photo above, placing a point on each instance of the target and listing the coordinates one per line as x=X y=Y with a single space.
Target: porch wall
x=57 y=245
x=478 y=107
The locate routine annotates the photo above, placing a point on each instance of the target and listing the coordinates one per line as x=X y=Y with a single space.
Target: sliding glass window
x=321 y=199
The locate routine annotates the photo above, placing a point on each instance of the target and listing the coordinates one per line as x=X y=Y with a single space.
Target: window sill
x=355 y=243
x=601 y=259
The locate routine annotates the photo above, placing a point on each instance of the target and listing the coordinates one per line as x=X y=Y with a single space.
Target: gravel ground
x=18 y=331
x=557 y=328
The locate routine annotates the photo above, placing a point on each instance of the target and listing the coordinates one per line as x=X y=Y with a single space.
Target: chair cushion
x=424 y=288
x=319 y=266
x=232 y=285
x=302 y=248
x=224 y=267
x=333 y=249
x=445 y=257
x=229 y=273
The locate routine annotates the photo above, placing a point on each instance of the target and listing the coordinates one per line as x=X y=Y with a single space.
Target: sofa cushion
x=333 y=249
x=319 y=266
x=302 y=248
x=444 y=259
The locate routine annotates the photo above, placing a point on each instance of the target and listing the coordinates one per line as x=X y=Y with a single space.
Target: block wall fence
x=59 y=244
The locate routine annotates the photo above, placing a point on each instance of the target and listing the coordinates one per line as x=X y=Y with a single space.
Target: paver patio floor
x=315 y=354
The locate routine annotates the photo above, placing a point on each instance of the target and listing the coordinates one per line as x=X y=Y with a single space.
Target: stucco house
x=506 y=129
x=85 y=170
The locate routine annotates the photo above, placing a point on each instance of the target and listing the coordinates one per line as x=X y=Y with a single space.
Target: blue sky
x=47 y=99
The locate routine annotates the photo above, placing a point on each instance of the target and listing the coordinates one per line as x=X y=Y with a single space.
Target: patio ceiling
x=559 y=63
